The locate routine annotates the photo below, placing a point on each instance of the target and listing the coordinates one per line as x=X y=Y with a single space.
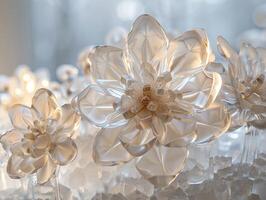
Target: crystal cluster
x=234 y=182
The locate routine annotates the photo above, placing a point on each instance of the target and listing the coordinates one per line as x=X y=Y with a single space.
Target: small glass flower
x=244 y=90
x=152 y=98
x=244 y=93
x=40 y=140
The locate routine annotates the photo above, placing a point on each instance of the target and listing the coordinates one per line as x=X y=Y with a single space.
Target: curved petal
x=161 y=164
x=211 y=123
x=98 y=107
x=69 y=122
x=13 y=167
x=11 y=137
x=106 y=63
x=45 y=105
x=251 y=66
x=177 y=132
x=64 y=152
x=137 y=141
x=21 y=117
x=188 y=52
x=201 y=89
x=229 y=53
x=107 y=148
x=30 y=165
x=147 y=47
x=22 y=148
x=45 y=173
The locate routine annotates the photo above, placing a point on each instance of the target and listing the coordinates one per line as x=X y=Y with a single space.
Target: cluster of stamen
x=145 y=100
x=252 y=87
x=39 y=129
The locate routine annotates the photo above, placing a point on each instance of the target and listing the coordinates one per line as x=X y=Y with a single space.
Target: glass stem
x=249 y=150
x=57 y=186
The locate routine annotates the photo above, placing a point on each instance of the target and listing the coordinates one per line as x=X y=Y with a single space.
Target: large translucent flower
x=151 y=99
x=41 y=137
x=244 y=90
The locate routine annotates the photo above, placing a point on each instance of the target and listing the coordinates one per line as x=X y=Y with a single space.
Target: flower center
x=143 y=100
x=252 y=86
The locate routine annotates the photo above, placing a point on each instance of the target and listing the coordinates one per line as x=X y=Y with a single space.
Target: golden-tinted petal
x=201 y=89
x=13 y=167
x=147 y=47
x=30 y=165
x=229 y=53
x=69 y=122
x=224 y=48
x=98 y=107
x=64 y=152
x=162 y=164
x=11 y=137
x=46 y=172
x=106 y=63
x=188 y=52
x=21 y=148
x=21 y=117
x=177 y=132
x=45 y=106
x=107 y=148
x=211 y=123
x=250 y=64
x=137 y=141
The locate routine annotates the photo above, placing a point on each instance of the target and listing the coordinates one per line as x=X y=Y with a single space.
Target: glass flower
x=20 y=87
x=41 y=137
x=151 y=99
x=70 y=83
x=244 y=89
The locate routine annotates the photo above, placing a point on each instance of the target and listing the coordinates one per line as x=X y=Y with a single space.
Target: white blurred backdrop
x=48 y=33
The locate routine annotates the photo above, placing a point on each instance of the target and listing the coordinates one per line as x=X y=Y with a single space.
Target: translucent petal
x=45 y=105
x=161 y=164
x=224 y=48
x=21 y=148
x=68 y=122
x=177 y=132
x=64 y=152
x=114 y=88
x=188 y=52
x=21 y=117
x=106 y=63
x=30 y=165
x=137 y=141
x=250 y=67
x=228 y=52
x=46 y=172
x=97 y=106
x=11 y=137
x=107 y=148
x=147 y=47
x=13 y=167
x=228 y=94
x=202 y=89
x=211 y=123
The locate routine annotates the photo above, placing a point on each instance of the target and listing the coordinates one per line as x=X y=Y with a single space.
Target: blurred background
x=48 y=33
